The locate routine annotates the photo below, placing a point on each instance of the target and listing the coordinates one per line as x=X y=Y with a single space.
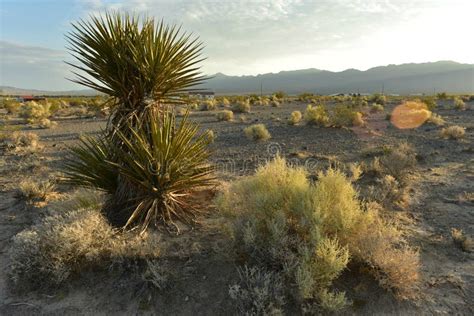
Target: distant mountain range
x=446 y=76
x=441 y=76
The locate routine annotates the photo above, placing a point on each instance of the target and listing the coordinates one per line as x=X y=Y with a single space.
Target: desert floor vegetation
x=453 y=132
x=132 y=204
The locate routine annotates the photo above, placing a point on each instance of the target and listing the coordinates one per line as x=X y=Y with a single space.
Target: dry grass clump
x=23 y=141
x=436 y=119
x=47 y=123
x=36 y=191
x=453 y=132
x=68 y=242
x=259 y=292
x=316 y=115
x=459 y=104
x=208 y=105
x=225 y=115
x=308 y=232
x=257 y=132
x=242 y=106
x=376 y=108
x=295 y=118
x=462 y=241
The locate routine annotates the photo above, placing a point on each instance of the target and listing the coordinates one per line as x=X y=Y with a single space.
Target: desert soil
x=445 y=170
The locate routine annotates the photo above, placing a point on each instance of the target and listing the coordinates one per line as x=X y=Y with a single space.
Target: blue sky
x=249 y=36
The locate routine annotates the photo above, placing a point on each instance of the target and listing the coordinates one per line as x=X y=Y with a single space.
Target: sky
x=248 y=37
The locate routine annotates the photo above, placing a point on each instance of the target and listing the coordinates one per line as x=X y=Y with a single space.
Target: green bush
x=257 y=132
x=378 y=98
x=309 y=232
x=343 y=116
x=316 y=115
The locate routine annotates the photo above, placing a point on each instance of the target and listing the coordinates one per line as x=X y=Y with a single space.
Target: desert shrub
x=257 y=132
x=436 y=119
x=378 y=98
x=305 y=97
x=343 y=116
x=308 y=232
x=225 y=115
x=453 y=132
x=208 y=105
x=316 y=115
x=156 y=274
x=398 y=162
x=462 y=241
x=295 y=117
x=67 y=242
x=259 y=292
x=11 y=106
x=442 y=96
x=47 y=123
x=23 y=141
x=358 y=119
x=34 y=111
x=459 y=104
x=225 y=102
x=430 y=103
x=376 y=108
x=35 y=191
x=275 y=103
x=241 y=106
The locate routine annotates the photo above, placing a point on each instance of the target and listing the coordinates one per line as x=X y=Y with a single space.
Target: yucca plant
x=133 y=60
x=146 y=160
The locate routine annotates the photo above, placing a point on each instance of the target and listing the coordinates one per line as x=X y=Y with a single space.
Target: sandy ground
x=445 y=170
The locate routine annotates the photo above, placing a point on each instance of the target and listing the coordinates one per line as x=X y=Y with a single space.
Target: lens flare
x=410 y=114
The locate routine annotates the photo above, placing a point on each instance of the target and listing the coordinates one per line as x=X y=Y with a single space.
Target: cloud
x=33 y=67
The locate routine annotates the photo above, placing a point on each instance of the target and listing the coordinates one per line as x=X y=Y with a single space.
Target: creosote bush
x=309 y=232
x=257 y=132
x=345 y=116
x=459 y=104
x=23 y=142
x=453 y=132
x=295 y=118
x=376 y=108
x=316 y=115
x=225 y=115
x=208 y=105
x=35 y=111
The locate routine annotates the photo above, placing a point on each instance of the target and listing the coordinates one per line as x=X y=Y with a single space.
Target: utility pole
x=383 y=88
x=261 y=87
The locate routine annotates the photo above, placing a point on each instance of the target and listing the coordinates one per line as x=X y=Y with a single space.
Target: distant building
x=202 y=94
x=27 y=98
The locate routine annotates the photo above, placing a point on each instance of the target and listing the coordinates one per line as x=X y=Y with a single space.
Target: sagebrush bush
x=316 y=115
x=12 y=106
x=242 y=106
x=453 y=132
x=308 y=232
x=459 y=104
x=259 y=292
x=68 y=242
x=208 y=105
x=225 y=115
x=295 y=118
x=257 y=132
